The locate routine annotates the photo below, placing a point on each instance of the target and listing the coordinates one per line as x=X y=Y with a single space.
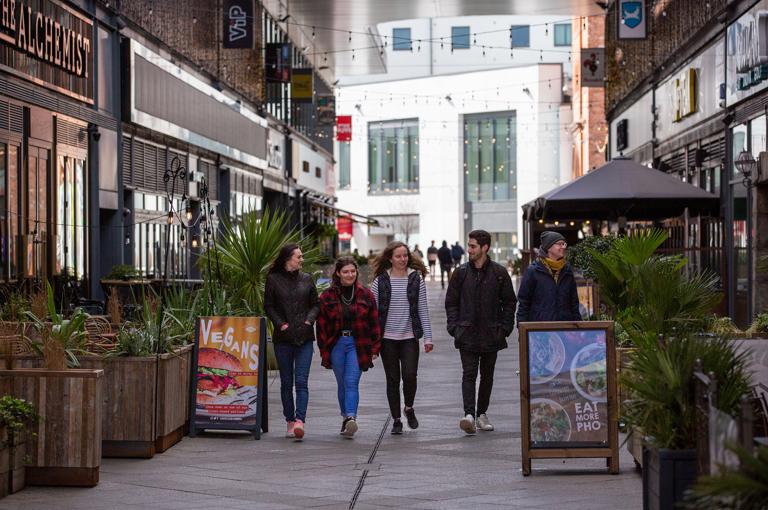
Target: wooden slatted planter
x=66 y=447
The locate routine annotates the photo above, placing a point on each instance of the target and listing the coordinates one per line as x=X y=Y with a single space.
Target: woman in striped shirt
x=401 y=297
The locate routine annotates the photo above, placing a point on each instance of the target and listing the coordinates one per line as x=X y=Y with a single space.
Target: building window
x=563 y=34
x=459 y=38
x=318 y=172
x=401 y=39
x=345 y=165
x=520 y=35
x=241 y=203
x=305 y=166
x=70 y=218
x=149 y=238
x=490 y=165
x=393 y=156
x=9 y=219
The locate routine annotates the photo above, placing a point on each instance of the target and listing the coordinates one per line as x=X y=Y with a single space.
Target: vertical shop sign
x=238 y=24
x=344 y=128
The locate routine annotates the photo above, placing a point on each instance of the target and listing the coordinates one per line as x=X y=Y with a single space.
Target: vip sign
x=632 y=24
x=684 y=95
x=238 y=24
x=750 y=38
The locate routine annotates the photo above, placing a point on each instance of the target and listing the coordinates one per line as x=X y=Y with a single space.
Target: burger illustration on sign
x=215 y=385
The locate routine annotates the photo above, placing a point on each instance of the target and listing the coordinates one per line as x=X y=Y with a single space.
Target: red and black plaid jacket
x=365 y=326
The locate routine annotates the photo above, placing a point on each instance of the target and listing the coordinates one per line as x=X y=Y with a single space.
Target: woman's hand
x=284 y=327
x=428 y=347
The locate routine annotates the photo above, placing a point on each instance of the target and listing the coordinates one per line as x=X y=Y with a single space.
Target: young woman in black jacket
x=291 y=303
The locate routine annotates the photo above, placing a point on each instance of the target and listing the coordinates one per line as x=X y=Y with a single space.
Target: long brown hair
x=285 y=254
x=384 y=261
x=340 y=263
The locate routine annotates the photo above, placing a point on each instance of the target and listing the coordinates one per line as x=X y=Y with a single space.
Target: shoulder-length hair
x=340 y=263
x=286 y=252
x=384 y=261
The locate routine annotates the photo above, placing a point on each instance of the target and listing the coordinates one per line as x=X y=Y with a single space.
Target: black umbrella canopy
x=622 y=187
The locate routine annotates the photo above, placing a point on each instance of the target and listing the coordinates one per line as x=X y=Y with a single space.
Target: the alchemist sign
x=48 y=43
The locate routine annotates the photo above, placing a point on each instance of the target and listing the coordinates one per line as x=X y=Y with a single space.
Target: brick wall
x=590 y=131
x=193 y=28
x=670 y=24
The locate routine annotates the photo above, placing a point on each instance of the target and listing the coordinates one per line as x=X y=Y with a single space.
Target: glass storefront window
x=393 y=157
x=490 y=169
x=345 y=165
x=149 y=238
x=71 y=217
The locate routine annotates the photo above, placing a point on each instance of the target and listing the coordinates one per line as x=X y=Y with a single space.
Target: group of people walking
x=355 y=325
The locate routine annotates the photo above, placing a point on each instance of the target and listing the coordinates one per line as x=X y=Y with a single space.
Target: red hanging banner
x=343 y=128
x=344 y=225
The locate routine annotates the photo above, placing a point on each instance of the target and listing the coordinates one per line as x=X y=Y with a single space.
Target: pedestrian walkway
x=434 y=467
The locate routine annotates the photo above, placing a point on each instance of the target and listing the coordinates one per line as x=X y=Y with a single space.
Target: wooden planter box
x=635 y=446
x=667 y=474
x=66 y=446
x=11 y=465
x=129 y=402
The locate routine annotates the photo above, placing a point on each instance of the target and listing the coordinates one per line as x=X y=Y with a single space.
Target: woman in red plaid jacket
x=348 y=336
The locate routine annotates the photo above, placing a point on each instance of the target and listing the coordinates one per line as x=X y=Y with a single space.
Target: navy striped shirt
x=399 y=325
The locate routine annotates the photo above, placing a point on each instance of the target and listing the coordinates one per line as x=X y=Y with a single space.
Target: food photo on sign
x=227 y=378
x=568 y=388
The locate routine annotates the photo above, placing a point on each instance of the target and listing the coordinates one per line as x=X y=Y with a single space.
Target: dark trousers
x=400 y=357
x=444 y=268
x=469 y=365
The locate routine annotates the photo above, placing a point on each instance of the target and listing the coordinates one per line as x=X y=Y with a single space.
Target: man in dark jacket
x=456 y=253
x=480 y=308
x=548 y=288
x=446 y=262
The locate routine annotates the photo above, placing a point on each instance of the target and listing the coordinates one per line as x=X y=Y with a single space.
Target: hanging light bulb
x=195 y=241
x=189 y=212
x=313 y=32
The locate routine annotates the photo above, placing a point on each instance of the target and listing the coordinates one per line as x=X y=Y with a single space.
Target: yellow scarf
x=554 y=266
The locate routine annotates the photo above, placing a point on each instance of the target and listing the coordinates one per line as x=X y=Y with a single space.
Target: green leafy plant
x=16 y=415
x=744 y=488
x=723 y=327
x=62 y=339
x=15 y=306
x=123 y=272
x=580 y=254
x=659 y=381
x=245 y=251
x=759 y=326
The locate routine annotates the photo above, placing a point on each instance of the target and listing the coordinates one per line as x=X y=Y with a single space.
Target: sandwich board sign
x=568 y=392
x=228 y=374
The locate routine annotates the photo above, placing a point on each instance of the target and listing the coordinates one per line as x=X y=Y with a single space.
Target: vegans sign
x=227 y=389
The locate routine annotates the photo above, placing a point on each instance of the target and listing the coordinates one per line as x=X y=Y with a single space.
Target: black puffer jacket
x=291 y=298
x=480 y=307
x=544 y=300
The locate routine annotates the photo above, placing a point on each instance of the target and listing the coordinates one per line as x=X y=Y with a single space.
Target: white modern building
x=450 y=140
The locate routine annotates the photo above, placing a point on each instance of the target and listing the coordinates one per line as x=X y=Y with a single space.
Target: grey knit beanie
x=548 y=238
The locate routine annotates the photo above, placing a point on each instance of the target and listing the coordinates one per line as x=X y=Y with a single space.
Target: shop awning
x=324 y=201
x=625 y=188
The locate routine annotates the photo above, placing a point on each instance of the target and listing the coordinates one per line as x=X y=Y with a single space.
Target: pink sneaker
x=298 y=429
x=291 y=429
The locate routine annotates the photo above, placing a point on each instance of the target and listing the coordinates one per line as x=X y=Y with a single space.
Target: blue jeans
x=347 y=372
x=294 y=362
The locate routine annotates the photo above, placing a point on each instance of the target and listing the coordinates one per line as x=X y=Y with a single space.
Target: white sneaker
x=467 y=424
x=483 y=423
x=350 y=427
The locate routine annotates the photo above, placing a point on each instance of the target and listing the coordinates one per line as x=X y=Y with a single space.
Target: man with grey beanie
x=548 y=288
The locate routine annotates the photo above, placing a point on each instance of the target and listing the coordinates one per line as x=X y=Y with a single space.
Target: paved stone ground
x=434 y=467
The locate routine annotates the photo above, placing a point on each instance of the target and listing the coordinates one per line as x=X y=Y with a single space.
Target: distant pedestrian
x=446 y=262
x=548 y=288
x=480 y=308
x=348 y=336
x=401 y=295
x=291 y=303
x=417 y=253
x=432 y=259
x=457 y=252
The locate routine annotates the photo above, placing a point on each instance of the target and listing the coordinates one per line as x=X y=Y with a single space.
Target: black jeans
x=469 y=364
x=400 y=357
x=445 y=268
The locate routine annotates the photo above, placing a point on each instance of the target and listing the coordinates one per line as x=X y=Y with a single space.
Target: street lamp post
x=747 y=166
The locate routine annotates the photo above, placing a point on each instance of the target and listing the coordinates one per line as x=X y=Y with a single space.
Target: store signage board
x=50 y=44
x=685 y=94
x=277 y=59
x=238 y=24
x=632 y=19
x=593 y=67
x=302 y=86
x=568 y=391
x=228 y=374
x=747 y=54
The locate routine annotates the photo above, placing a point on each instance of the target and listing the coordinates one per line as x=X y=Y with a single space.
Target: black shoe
x=410 y=415
x=397 y=428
